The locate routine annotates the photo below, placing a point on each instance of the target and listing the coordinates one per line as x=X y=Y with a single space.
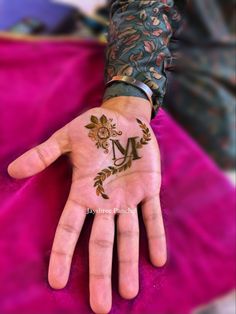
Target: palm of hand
x=126 y=181
x=116 y=166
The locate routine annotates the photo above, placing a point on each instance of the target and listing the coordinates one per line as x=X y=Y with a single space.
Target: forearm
x=139 y=33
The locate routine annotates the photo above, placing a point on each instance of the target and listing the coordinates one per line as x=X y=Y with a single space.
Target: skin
x=140 y=184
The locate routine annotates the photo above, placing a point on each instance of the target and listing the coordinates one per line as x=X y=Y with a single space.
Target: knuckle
x=74 y=201
x=100 y=275
x=101 y=243
x=150 y=217
x=68 y=228
x=128 y=233
x=106 y=217
x=76 y=204
x=42 y=155
x=60 y=253
x=128 y=261
x=156 y=236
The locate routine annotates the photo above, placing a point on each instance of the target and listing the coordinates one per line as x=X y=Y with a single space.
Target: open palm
x=116 y=166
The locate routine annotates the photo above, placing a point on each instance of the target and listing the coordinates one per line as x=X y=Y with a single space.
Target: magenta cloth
x=44 y=85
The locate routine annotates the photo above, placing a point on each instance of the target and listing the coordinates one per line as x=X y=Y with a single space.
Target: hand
x=116 y=166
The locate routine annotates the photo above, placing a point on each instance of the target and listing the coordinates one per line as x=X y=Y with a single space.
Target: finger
x=128 y=253
x=66 y=237
x=100 y=262
x=152 y=216
x=39 y=157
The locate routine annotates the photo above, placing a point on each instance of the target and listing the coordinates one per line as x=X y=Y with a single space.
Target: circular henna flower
x=100 y=130
x=103 y=133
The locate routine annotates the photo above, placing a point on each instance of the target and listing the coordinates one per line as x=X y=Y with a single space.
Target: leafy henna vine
x=126 y=155
x=105 y=173
x=101 y=130
x=146 y=134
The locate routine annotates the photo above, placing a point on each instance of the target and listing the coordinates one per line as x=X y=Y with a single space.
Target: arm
x=138 y=46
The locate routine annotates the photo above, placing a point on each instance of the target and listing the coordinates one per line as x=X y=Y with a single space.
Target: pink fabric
x=43 y=85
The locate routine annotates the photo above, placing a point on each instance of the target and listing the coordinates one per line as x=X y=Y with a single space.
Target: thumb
x=39 y=157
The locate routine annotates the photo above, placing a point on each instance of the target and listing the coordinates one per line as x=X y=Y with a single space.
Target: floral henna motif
x=101 y=130
x=127 y=159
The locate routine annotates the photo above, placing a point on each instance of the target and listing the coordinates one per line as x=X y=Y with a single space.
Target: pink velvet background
x=43 y=85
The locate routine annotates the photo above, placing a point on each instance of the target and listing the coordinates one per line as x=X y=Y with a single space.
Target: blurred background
x=88 y=19
x=201 y=72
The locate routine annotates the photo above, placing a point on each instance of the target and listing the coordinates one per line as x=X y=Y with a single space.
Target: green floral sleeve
x=138 y=37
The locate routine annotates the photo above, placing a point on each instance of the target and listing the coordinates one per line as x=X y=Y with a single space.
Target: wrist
x=131 y=106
